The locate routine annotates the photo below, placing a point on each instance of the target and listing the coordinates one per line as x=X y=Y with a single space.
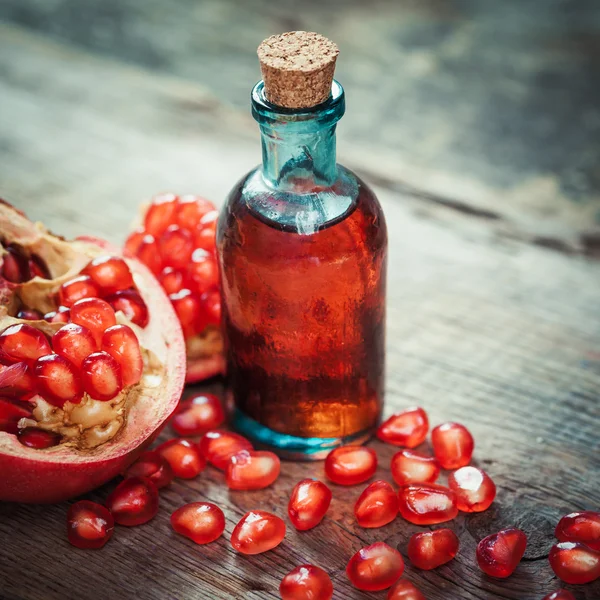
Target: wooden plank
x=486 y=330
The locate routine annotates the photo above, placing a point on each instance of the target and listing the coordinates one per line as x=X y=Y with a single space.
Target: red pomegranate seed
x=252 y=470
x=202 y=271
x=151 y=465
x=38 y=267
x=74 y=342
x=190 y=210
x=408 y=428
x=15 y=267
x=349 y=465
x=404 y=590
x=433 y=548
x=499 y=554
x=176 y=247
x=133 y=502
x=306 y=582
x=11 y=414
x=149 y=253
x=202 y=522
x=257 y=531
x=308 y=504
x=23 y=342
x=17 y=381
x=375 y=567
x=38 y=438
x=377 y=505
x=95 y=314
x=574 y=562
x=110 y=273
x=559 y=595
x=131 y=304
x=89 y=525
x=30 y=314
x=197 y=415
x=210 y=309
x=171 y=280
x=219 y=446
x=122 y=344
x=452 y=445
x=101 y=376
x=134 y=241
x=427 y=503
x=160 y=214
x=187 y=307
x=57 y=380
x=61 y=315
x=409 y=466
x=77 y=289
x=183 y=456
x=580 y=527
x=475 y=491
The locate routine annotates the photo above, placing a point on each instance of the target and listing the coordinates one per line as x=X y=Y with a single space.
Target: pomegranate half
x=83 y=440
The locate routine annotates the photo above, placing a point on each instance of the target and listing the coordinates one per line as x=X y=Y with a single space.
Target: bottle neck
x=298 y=146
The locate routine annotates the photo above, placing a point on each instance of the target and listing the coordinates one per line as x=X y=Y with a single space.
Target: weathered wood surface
x=484 y=327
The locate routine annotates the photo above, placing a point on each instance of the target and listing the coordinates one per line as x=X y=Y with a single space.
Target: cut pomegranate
x=375 y=567
x=61 y=315
x=219 y=446
x=11 y=414
x=57 y=380
x=89 y=525
x=202 y=522
x=433 y=548
x=122 y=344
x=349 y=465
x=499 y=554
x=152 y=466
x=29 y=314
x=15 y=267
x=559 y=595
x=452 y=445
x=404 y=590
x=474 y=489
x=409 y=466
x=23 y=343
x=427 y=503
x=580 y=527
x=131 y=304
x=17 y=381
x=110 y=273
x=77 y=289
x=408 y=428
x=94 y=314
x=377 y=505
x=306 y=582
x=257 y=531
x=101 y=376
x=308 y=503
x=133 y=502
x=185 y=459
x=197 y=415
x=574 y=562
x=74 y=342
x=177 y=242
x=252 y=470
x=38 y=438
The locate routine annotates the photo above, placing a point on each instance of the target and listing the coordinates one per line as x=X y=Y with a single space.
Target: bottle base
x=291 y=447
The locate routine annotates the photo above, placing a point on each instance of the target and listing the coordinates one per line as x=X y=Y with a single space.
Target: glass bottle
x=302 y=246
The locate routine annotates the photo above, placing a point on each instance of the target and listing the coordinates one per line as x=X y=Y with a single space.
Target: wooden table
x=477 y=124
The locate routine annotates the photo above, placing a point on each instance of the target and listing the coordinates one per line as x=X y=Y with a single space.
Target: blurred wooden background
x=478 y=124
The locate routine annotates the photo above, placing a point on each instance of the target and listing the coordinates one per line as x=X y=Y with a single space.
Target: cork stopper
x=297 y=68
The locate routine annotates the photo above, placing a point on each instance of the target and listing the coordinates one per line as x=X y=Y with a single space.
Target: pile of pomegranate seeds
x=408 y=428
x=89 y=525
x=177 y=243
x=433 y=548
x=404 y=590
x=198 y=415
x=499 y=554
x=309 y=501
x=306 y=582
x=377 y=505
x=18 y=266
x=202 y=522
x=252 y=470
x=257 y=531
x=375 y=567
x=349 y=465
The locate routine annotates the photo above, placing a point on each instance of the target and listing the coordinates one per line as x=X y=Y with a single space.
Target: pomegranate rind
x=62 y=472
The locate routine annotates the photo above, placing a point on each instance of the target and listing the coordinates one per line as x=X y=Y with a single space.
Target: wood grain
x=484 y=328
